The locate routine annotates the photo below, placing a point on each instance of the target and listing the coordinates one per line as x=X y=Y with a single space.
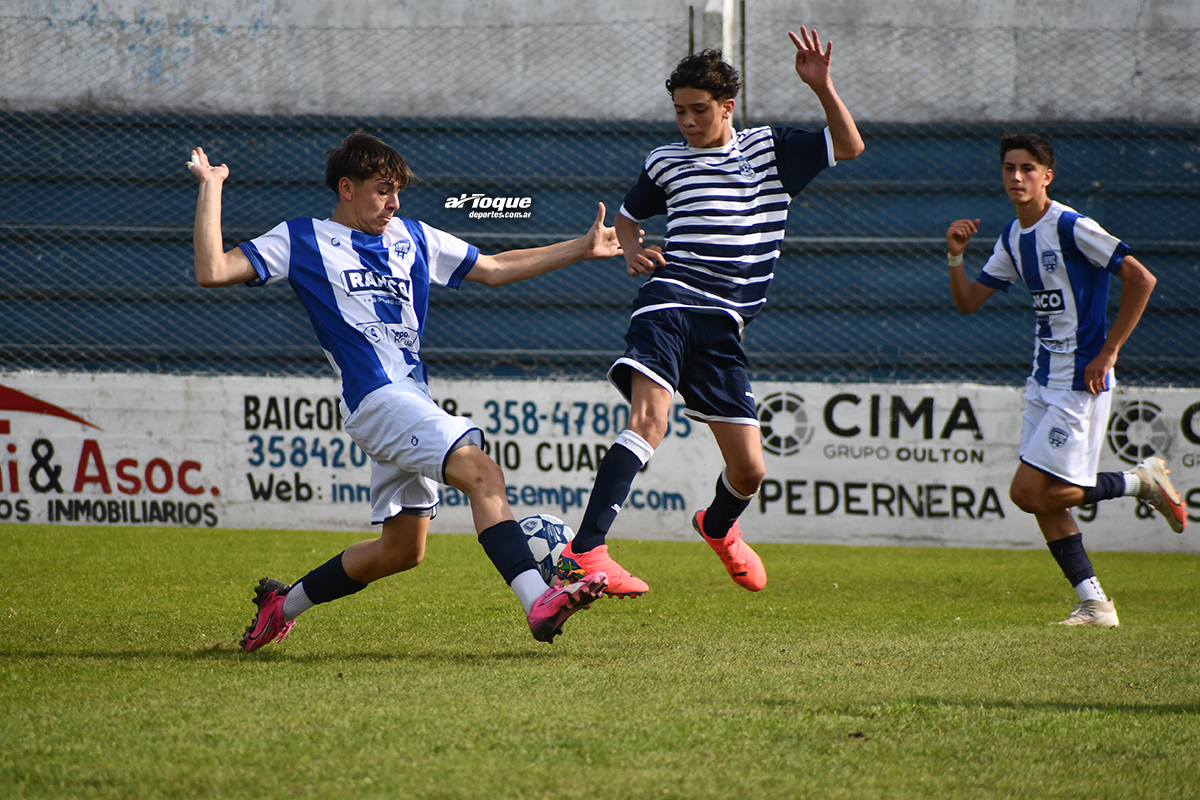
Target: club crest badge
x=1049 y=260
x=1058 y=437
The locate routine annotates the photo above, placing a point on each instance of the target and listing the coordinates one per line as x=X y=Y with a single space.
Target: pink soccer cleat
x=268 y=625
x=560 y=601
x=741 y=562
x=620 y=582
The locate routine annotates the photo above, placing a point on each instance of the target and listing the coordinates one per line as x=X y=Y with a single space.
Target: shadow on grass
x=231 y=652
x=907 y=705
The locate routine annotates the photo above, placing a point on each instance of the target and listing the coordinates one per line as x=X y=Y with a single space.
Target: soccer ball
x=548 y=537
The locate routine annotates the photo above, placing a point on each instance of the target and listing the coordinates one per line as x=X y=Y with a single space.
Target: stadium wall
x=118 y=56
x=871 y=464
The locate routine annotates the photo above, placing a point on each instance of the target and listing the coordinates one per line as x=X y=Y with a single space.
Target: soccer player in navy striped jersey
x=726 y=196
x=1065 y=260
x=363 y=276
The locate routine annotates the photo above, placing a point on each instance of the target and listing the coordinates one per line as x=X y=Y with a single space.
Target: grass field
x=857 y=673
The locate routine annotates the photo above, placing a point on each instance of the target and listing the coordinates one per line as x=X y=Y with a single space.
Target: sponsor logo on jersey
x=1058 y=437
x=364 y=281
x=391 y=333
x=1049 y=260
x=1047 y=302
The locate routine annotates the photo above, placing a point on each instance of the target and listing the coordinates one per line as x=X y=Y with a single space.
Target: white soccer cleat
x=1158 y=493
x=1096 y=613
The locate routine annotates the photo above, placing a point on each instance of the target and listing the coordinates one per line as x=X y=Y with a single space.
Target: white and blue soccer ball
x=547 y=536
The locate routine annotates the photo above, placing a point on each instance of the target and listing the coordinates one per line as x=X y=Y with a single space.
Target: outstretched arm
x=213 y=267
x=516 y=265
x=968 y=295
x=1136 y=285
x=812 y=65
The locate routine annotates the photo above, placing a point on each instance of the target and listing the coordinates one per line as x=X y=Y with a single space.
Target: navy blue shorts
x=695 y=353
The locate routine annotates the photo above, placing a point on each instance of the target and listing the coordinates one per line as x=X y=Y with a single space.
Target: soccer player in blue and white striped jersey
x=726 y=195
x=364 y=276
x=1065 y=260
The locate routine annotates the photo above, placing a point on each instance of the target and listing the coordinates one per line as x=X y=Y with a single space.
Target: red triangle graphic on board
x=12 y=400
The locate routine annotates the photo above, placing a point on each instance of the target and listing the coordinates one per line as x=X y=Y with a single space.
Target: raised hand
x=959 y=234
x=601 y=240
x=812 y=65
x=202 y=170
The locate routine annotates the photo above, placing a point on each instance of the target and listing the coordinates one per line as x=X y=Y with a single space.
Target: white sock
x=636 y=445
x=528 y=587
x=1133 y=484
x=1090 y=590
x=296 y=602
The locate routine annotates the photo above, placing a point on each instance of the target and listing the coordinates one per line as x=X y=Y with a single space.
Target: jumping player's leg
x=741 y=447
x=649 y=407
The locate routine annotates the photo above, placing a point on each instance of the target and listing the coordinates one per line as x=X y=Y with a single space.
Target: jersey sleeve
x=646 y=199
x=800 y=155
x=450 y=258
x=1098 y=245
x=270 y=254
x=999 y=272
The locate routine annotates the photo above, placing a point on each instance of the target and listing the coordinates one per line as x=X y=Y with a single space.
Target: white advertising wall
x=846 y=463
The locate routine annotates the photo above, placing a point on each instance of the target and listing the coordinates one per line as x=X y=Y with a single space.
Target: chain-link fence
x=96 y=210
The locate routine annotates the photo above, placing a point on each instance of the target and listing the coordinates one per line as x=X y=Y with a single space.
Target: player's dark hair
x=1038 y=146
x=708 y=71
x=361 y=155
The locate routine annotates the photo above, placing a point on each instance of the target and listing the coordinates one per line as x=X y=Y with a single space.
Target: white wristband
x=954 y=260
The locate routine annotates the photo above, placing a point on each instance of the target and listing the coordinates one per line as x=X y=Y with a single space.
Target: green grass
x=857 y=673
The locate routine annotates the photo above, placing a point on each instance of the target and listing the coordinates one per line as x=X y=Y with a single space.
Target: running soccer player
x=1065 y=260
x=363 y=276
x=725 y=194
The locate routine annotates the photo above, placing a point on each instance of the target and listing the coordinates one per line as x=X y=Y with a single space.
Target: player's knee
x=402 y=559
x=747 y=479
x=474 y=473
x=1023 y=498
x=651 y=427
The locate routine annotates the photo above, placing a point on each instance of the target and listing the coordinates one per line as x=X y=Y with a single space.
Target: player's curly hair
x=706 y=70
x=1037 y=145
x=361 y=155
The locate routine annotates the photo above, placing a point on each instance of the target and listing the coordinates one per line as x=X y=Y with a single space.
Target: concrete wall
x=904 y=60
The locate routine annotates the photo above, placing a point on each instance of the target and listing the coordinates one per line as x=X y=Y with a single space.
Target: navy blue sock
x=614 y=477
x=1072 y=558
x=725 y=508
x=329 y=582
x=1108 y=485
x=506 y=546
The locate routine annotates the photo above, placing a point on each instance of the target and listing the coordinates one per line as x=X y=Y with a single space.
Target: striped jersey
x=726 y=210
x=1065 y=260
x=365 y=295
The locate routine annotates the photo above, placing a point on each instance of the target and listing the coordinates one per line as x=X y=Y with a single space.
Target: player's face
x=1025 y=180
x=371 y=203
x=703 y=121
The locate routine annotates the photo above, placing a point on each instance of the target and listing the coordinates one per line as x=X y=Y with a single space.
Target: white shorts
x=408 y=438
x=1062 y=431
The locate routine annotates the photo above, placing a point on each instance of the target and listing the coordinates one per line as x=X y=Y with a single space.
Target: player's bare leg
x=400 y=547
